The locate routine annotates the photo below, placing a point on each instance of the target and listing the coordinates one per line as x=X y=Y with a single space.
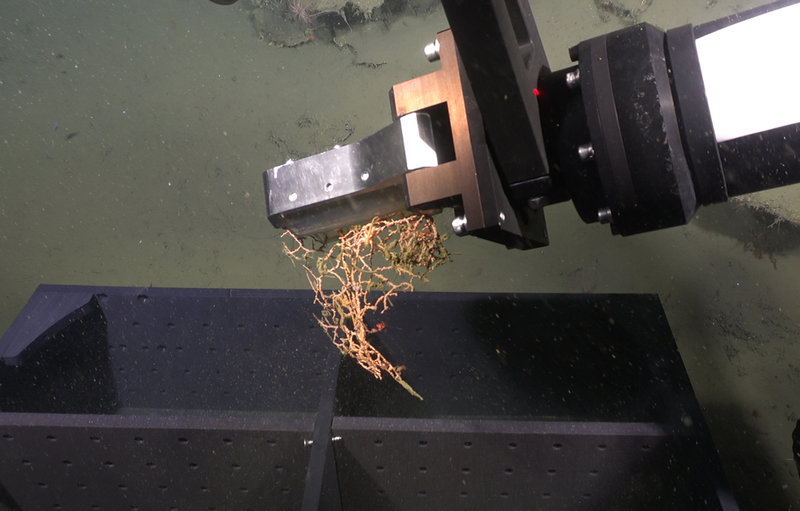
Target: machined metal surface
x=460 y=177
x=349 y=184
x=466 y=178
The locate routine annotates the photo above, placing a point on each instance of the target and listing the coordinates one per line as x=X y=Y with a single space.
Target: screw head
x=604 y=215
x=586 y=152
x=432 y=51
x=573 y=79
x=459 y=225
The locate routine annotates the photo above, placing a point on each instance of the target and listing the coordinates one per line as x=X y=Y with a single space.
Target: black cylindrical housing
x=694 y=116
x=635 y=135
x=635 y=145
x=762 y=160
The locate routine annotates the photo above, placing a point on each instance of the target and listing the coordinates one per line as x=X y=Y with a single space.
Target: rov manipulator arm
x=646 y=127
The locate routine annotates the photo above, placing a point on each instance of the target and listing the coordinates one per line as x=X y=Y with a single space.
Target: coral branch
x=385 y=255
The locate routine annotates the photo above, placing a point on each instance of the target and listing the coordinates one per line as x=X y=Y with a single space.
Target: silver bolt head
x=432 y=51
x=604 y=215
x=573 y=79
x=459 y=225
x=586 y=152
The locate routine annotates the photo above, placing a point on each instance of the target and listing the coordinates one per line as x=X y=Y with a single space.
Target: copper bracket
x=459 y=179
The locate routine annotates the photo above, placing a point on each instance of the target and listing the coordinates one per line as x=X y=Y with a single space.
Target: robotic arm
x=643 y=129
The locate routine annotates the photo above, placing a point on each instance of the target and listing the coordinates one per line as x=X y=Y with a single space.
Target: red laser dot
x=536 y=91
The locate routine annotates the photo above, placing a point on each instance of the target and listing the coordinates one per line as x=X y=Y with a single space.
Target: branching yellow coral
x=385 y=255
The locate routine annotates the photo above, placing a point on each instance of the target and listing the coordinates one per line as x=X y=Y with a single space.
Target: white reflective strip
x=751 y=73
x=418 y=153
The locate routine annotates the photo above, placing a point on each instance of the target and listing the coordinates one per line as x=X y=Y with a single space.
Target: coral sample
x=365 y=268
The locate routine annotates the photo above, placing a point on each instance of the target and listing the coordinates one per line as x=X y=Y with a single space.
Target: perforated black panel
x=445 y=464
x=153 y=463
x=211 y=353
x=531 y=401
x=167 y=399
x=525 y=356
x=197 y=399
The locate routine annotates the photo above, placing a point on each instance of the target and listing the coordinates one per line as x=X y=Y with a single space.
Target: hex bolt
x=432 y=51
x=459 y=225
x=604 y=215
x=586 y=152
x=573 y=79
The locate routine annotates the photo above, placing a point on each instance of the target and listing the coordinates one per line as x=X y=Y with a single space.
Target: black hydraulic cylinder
x=634 y=143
